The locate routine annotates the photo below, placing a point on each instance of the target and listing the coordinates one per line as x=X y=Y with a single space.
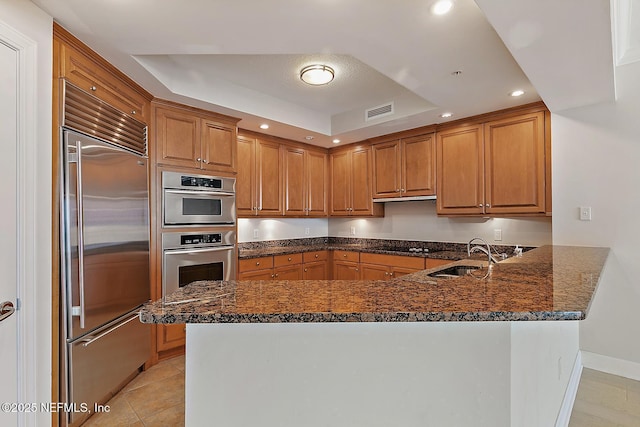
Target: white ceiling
x=242 y=58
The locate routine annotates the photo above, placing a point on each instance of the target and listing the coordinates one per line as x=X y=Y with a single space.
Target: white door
x=8 y=231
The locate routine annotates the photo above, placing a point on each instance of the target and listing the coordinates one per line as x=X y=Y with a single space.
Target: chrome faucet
x=487 y=250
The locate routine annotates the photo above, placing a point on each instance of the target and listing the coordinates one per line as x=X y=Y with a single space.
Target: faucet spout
x=487 y=250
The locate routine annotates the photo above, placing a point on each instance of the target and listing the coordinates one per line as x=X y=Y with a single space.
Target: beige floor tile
x=173 y=416
x=156 y=396
x=120 y=414
x=158 y=372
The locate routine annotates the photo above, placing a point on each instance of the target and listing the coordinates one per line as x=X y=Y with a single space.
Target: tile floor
x=154 y=398
x=606 y=400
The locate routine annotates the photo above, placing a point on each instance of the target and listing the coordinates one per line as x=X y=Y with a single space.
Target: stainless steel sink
x=454 y=271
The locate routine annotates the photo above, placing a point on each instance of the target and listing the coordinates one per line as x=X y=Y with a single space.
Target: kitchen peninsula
x=416 y=350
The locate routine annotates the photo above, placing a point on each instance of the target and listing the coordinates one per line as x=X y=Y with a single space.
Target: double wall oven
x=199 y=229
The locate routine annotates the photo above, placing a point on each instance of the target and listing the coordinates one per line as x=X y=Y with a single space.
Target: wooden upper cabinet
x=305 y=182
x=515 y=165
x=218 y=146
x=460 y=170
x=85 y=70
x=498 y=168
x=259 y=190
x=189 y=138
x=352 y=183
x=405 y=167
x=246 y=178
x=177 y=138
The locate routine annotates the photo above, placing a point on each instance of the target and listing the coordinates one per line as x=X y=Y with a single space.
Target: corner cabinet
x=351 y=183
x=499 y=167
x=405 y=167
x=305 y=182
x=259 y=189
x=194 y=139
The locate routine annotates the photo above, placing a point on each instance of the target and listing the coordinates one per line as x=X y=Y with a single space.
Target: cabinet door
x=317 y=176
x=177 y=138
x=515 y=164
x=290 y=272
x=85 y=73
x=361 y=188
x=246 y=204
x=460 y=171
x=294 y=182
x=374 y=272
x=340 y=183
x=269 y=176
x=386 y=169
x=170 y=336
x=402 y=271
x=419 y=166
x=218 y=147
x=316 y=270
x=344 y=270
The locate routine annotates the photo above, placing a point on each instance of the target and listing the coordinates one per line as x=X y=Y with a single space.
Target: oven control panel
x=194 y=181
x=198 y=239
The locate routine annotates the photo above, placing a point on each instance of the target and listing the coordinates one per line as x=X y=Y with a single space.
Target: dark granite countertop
x=547 y=283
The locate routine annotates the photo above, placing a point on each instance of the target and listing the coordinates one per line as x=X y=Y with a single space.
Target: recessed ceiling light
x=264 y=126
x=441 y=7
x=317 y=74
x=517 y=93
x=336 y=141
x=446 y=115
x=308 y=138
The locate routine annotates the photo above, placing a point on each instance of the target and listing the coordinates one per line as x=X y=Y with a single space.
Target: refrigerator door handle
x=91 y=339
x=79 y=311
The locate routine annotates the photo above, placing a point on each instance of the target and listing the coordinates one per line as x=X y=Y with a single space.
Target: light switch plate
x=585 y=213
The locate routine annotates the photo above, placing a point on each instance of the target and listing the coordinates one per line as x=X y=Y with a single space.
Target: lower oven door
x=183 y=266
x=184 y=207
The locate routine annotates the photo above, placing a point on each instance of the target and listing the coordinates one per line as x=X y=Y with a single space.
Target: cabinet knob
x=289 y=259
x=403 y=190
x=305 y=270
x=276 y=275
x=397 y=189
x=205 y=161
x=480 y=205
x=258 y=263
x=488 y=205
x=316 y=255
x=345 y=255
x=199 y=159
x=272 y=276
x=133 y=112
x=386 y=273
x=93 y=88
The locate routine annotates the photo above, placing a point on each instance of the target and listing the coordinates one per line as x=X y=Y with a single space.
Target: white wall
x=404 y=221
x=596 y=162
x=25 y=18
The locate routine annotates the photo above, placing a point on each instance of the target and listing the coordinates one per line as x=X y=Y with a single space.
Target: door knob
x=6 y=310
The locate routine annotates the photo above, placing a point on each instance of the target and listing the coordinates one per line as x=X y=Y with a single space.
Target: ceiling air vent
x=379 y=111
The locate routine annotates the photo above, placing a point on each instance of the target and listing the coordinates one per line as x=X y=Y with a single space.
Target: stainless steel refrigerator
x=104 y=269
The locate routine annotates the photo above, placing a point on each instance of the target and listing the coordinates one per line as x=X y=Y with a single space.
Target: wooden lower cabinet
x=434 y=262
x=384 y=267
x=315 y=265
x=171 y=336
x=307 y=266
x=346 y=265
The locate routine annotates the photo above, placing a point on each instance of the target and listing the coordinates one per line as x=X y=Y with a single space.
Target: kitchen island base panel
x=374 y=374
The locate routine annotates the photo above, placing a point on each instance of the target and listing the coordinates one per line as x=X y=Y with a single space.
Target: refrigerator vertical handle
x=80 y=235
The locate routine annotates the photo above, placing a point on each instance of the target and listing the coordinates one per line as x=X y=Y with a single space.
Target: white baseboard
x=611 y=365
x=570 y=394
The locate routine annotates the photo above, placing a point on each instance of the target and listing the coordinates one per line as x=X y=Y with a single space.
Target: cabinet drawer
x=253 y=264
x=92 y=78
x=280 y=260
x=393 y=260
x=314 y=256
x=346 y=256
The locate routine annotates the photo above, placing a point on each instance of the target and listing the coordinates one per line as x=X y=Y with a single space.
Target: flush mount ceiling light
x=516 y=93
x=441 y=7
x=264 y=126
x=317 y=75
x=446 y=115
x=336 y=141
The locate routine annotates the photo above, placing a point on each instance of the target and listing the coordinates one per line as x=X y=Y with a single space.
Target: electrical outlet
x=352 y=231
x=306 y=231
x=255 y=233
x=497 y=234
x=585 y=213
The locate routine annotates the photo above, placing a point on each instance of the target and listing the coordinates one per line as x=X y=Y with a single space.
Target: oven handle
x=200 y=193
x=195 y=251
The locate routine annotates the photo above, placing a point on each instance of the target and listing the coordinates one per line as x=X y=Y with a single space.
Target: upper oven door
x=194 y=207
